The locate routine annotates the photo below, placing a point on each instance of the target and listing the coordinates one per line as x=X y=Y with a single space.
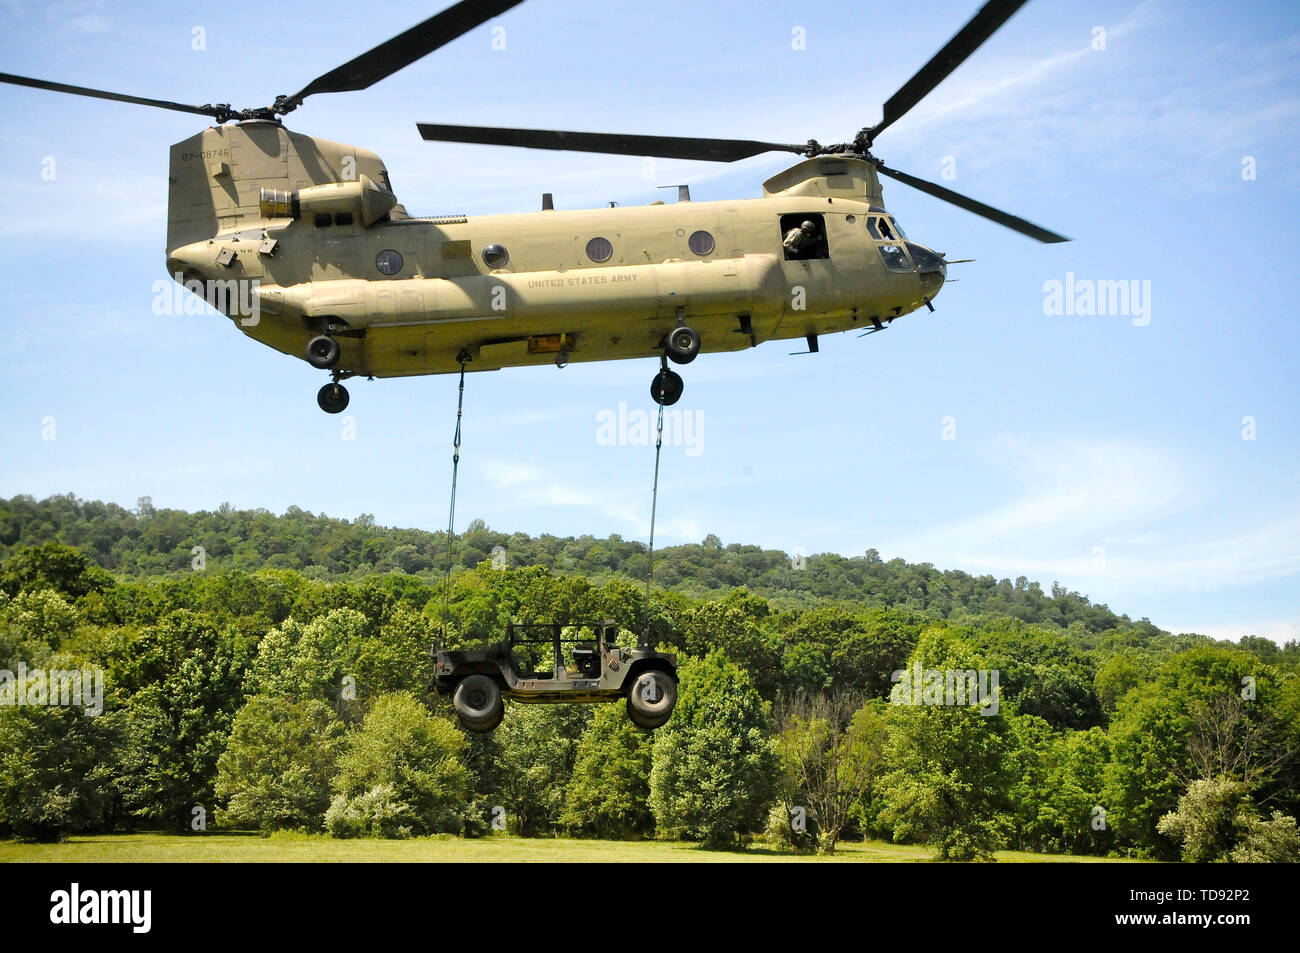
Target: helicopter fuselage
x=295 y=237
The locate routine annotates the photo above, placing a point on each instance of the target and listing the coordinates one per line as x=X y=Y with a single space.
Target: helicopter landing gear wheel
x=322 y=352
x=666 y=388
x=682 y=345
x=333 y=398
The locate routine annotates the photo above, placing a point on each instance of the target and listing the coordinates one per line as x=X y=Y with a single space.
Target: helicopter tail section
x=217 y=176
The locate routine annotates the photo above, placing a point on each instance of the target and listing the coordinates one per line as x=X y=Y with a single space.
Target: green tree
x=1158 y=730
x=1274 y=841
x=609 y=792
x=538 y=751
x=53 y=770
x=1036 y=747
x=310 y=661
x=1119 y=675
x=949 y=778
x=714 y=764
x=1075 y=793
x=33 y=625
x=734 y=624
x=1210 y=818
x=415 y=756
x=275 y=773
x=397 y=659
x=831 y=752
x=54 y=566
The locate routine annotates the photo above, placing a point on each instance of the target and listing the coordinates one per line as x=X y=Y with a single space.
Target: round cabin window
x=600 y=249
x=701 y=242
x=495 y=256
x=388 y=262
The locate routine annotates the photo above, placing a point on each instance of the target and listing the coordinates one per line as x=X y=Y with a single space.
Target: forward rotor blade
x=968 y=39
x=665 y=147
x=402 y=50
x=979 y=208
x=213 y=111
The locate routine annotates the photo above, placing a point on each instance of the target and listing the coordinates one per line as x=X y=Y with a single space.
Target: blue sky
x=1092 y=450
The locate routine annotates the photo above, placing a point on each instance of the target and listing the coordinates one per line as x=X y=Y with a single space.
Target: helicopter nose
x=930 y=266
x=927 y=262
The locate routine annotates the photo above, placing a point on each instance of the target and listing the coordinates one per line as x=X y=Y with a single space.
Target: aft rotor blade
x=213 y=111
x=968 y=39
x=979 y=208
x=402 y=50
x=664 y=147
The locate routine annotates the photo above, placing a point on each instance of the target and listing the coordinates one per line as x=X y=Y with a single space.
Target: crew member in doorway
x=799 y=237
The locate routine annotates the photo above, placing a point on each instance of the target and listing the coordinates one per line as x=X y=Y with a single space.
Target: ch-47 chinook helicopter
x=304 y=244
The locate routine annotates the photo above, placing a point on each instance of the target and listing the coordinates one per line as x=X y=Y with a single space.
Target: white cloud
x=1077 y=490
x=1097 y=514
x=508 y=474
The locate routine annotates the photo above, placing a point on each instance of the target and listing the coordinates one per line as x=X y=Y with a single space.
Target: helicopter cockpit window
x=803 y=236
x=895 y=258
x=882 y=229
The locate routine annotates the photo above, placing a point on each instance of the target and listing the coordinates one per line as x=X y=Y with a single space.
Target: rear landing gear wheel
x=666 y=388
x=333 y=398
x=322 y=352
x=682 y=345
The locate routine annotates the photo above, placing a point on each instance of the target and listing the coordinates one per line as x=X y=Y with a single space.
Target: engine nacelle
x=362 y=199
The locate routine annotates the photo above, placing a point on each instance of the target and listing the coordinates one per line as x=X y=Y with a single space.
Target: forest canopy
x=272 y=672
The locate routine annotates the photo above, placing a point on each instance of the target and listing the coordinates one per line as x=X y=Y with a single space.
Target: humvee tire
x=478 y=703
x=651 y=699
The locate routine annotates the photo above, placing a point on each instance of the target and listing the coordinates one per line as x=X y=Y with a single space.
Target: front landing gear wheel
x=666 y=388
x=683 y=345
x=333 y=398
x=322 y=352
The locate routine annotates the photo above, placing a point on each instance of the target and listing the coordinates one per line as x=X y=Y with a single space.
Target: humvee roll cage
x=517 y=631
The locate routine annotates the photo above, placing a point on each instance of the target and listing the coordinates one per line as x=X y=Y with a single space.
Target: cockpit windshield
x=895 y=257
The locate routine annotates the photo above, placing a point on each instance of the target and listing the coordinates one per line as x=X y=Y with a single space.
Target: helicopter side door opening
x=804 y=236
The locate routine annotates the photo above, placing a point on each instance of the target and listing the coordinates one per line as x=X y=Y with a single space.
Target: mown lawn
x=226 y=847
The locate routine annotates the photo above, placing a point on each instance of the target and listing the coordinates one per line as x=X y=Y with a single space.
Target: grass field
x=227 y=848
